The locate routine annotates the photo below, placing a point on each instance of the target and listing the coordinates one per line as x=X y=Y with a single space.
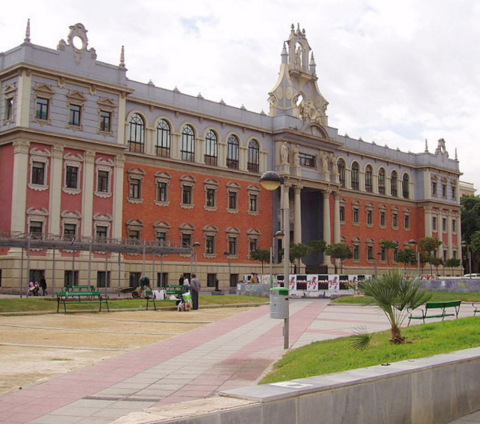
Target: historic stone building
x=171 y=182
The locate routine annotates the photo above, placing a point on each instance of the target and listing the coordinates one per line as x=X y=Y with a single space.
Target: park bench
x=476 y=308
x=150 y=296
x=79 y=297
x=79 y=288
x=448 y=308
x=175 y=290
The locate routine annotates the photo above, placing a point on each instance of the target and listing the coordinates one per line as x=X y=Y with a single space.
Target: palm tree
x=394 y=296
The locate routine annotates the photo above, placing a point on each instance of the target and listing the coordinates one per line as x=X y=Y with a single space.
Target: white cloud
x=393 y=72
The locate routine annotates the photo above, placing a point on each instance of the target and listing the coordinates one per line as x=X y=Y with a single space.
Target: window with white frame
x=233 y=190
x=72 y=166
x=162 y=181
x=76 y=102
x=164 y=139
x=211 y=190
x=8 y=112
x=161 y=233
x=35 y=229
x=395 y=218
x=39 y=163
x=38 y=173
x=383 y=216
x=106 y=108
x=211 y=148
x=136 y=133
x=187 y=186
x=434 y=223
x=253 y=200
x=210 y=234
x=43 y=99
x=370 y=216
x=187 y=150
x=232 y=241
x=253 y=240
x=134 y=230
x=356 y=215
x=253 y=164
x=135 y=185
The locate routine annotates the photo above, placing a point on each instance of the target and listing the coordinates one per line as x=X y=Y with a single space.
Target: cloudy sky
x=394 y=72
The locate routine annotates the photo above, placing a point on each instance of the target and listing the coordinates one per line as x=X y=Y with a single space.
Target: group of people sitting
x=34 y=287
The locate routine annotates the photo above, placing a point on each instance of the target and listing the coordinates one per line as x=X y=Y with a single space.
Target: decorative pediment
x=107 y=104
x=76 y=97
x=44 y=90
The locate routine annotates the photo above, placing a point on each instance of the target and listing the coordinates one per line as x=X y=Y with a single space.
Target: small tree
x=387 y=245
x=339 y=251
x=429 y=246
x=262 y=255
x=394 y=296
x=406 y=256
x=452 y=263
x=298 y=251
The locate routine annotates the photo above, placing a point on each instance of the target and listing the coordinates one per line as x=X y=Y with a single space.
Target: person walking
x=195 y=287
x=43 y=285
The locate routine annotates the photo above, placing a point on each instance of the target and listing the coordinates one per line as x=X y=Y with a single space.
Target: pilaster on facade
x=327 y=232
x=19 y=185
x=337 y=235
x=88 y=193
x=118 y=174
x=56 y=178
x=297 y=233
x=23 y=99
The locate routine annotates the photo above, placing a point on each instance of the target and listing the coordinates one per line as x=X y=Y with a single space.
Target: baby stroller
x=184 y=301
x=33 y=289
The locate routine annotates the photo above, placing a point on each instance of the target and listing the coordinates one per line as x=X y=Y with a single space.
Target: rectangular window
x=369 y=217
x=253 y=245
x=210 y=245
x=407 y=221
x=36 y=228
x=162 y=191
x=134 y=279
x=102 y=181
x=232 y=200
x=306 y=160
x=135 y=189
x=161 y=238
x=9 y=109
x=211 y=280
x=342 y=213
x=356 y=252
x=133 y=234
x=232 y=245
x=454 y=225
x=211 y=197
x=444 y=190
x=71 y=177
x=38 y=173
x=434 y=189
x=42 y=109
x=395 y=220
x=69 y=231
x=162 y=279
x=105 y=121
x=187 y=198
x=103 y=278
x=434 y=223
x=101 y=233
x=233 y=280
x=454 y=192
x=253 y=204
x=71 y=278
x=444 y=224
x=186 y=240
x=74 y=115
x=370 y=253
x=356 y=215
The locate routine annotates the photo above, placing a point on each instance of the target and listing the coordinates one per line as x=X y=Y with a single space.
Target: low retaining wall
x=434 y=390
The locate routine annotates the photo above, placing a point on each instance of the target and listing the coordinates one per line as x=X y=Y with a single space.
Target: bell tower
x=296 y=92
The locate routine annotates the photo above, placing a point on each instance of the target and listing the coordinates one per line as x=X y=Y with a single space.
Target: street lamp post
x=270 y=180
x=277 y=235
x=415 y=243
x=469 y=257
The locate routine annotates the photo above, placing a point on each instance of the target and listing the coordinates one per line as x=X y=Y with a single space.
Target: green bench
x=476 y=308
x=80 y=288
x=81 y=297
x=175 y=290
x=150 y=296
x=448 y=308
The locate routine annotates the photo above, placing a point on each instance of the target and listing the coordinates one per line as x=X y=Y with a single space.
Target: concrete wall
x=434 y=390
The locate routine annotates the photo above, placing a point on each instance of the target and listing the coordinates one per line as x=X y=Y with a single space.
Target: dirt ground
x=35 y=348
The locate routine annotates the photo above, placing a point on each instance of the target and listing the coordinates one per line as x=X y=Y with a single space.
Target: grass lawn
x=40 y=304
x=340 y=355
x=436 y=297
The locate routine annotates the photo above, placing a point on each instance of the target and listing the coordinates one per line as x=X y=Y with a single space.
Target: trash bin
x=279 y=303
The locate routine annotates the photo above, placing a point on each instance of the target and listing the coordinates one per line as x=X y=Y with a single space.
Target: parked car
x=472 y=275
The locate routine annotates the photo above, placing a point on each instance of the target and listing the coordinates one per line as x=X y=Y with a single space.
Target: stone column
x=19 y=185
x=428 y=221
x=88 y=190
x=297 y=229
x=337 y=235
x=449 y=235
x=327 y=233
x=56 y=184
x=118 y=196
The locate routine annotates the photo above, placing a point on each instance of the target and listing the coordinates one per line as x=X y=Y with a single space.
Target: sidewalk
x=231 y=353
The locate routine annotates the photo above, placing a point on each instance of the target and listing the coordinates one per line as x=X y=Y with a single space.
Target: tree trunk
x=397 y=335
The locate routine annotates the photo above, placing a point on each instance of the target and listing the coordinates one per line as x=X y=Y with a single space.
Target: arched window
x=405 y=186
x=232 y=152
x=253 y=156
x=341 y=172
x=381 y=181
x=355 y=176
x=369 y=179
x=187 y=151
x=394 y=184
x=211 y=148
x=163 y=139
x=136 y=139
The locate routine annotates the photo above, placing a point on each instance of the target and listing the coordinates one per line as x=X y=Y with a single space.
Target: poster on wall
x=312 y=282
x=333 y=283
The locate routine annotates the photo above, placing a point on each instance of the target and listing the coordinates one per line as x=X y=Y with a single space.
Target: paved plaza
x=231 y=353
